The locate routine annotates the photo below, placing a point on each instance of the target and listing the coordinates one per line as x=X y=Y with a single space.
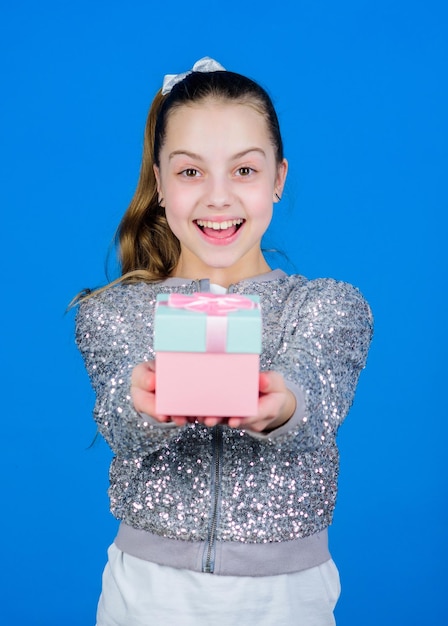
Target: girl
x=222 y=521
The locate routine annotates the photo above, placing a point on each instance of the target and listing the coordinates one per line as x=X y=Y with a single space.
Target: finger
x=254 y=422
x=144 y=402
x=264 y=382
x=211 y=421
x=271 y=382
x=237 y=422
x=179 y=420
x=143 y=376
x=256 y=425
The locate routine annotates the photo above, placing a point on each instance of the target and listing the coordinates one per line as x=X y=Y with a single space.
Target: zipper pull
x=203 y=285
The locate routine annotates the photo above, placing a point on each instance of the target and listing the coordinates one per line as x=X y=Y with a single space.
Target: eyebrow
x=193 y=155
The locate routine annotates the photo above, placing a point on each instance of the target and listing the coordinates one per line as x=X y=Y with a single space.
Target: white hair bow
x=206 y=64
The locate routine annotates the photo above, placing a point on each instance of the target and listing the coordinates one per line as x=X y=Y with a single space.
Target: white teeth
x=219 y=225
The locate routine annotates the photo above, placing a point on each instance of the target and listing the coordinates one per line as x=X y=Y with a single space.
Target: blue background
x=361 y=91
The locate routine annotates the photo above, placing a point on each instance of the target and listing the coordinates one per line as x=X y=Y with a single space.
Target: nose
x=218 y=192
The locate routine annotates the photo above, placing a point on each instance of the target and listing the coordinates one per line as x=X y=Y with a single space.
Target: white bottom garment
x=140 y=593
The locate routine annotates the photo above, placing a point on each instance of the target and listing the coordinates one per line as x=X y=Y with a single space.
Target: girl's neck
x=221 y=275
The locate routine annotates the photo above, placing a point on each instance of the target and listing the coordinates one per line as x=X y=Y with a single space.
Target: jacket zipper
x=208 y=563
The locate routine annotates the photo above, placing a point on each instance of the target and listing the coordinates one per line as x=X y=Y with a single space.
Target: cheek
x=261 y=203
x=174 y=220
x=175 y=203
x=179 y=198
x=177 y=214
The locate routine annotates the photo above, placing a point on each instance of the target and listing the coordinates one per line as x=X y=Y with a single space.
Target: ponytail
x=147 y=247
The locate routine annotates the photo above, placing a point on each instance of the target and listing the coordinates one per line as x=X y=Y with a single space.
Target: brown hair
x=148 y=250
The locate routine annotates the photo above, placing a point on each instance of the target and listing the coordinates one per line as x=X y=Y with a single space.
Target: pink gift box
x=207 y=355
x=221 y=385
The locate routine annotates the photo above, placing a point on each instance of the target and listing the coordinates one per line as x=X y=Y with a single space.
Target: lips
x=219 y=230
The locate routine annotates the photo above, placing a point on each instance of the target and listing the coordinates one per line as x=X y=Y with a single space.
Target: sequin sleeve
x=325 y=336
x=113 y=336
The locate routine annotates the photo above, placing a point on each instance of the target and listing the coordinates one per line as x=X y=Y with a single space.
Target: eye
x=190 y=172
x=244 y=171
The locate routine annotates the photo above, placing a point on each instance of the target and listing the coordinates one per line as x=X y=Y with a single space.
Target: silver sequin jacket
x=217 y=499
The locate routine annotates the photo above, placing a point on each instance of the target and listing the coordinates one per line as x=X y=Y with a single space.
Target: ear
x=159 y=185
x=280 y=179
x=157 y=175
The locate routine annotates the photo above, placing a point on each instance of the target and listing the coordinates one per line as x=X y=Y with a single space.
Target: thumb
x=269 y=382
x=143 y=376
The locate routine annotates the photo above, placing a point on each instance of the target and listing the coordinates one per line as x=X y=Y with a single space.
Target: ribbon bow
x=211 y=304
x=206 y=64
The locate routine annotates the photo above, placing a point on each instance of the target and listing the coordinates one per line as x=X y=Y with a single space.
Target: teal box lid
x=206 y=322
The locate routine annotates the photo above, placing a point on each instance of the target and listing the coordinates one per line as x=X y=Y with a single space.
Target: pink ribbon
x=210 y=303
x=216 y=308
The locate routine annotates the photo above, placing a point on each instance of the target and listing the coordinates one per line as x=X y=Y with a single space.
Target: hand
x=143 y=386
x=276 y=406
x=276 y=403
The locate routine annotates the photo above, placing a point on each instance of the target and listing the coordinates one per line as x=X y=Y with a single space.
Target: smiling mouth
x=220 y=230
x=219 y=225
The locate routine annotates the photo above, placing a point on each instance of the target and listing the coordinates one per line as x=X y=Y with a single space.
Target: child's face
x=218 y=177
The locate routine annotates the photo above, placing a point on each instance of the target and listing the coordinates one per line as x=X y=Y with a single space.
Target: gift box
x=207 y=354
